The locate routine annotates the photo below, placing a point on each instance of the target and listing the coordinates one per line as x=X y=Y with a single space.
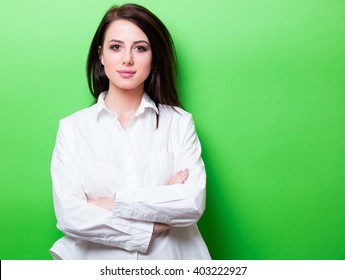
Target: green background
x=265 y=81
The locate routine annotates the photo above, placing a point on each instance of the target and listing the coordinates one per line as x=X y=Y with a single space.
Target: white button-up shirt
x=94 y=158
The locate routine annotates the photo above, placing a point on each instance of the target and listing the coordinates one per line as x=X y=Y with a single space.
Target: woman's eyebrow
x=116 y=41
x=141 y=41
x=135 y=42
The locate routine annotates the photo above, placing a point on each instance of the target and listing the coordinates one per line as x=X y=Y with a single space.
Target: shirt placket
x=131 y=171
x=130 y=163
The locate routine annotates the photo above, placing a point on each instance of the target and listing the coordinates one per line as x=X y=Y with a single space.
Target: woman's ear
x=100 y=54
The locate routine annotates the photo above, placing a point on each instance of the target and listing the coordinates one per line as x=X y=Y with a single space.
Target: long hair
x=161 y=84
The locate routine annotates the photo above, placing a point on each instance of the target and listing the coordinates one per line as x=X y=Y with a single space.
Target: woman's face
x=126 y=55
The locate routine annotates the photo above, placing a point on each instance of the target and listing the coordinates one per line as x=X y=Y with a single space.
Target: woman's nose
x=127 y=58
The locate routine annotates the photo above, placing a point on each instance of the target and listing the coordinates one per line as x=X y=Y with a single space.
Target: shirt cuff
x=126 y=207
x=138 y=234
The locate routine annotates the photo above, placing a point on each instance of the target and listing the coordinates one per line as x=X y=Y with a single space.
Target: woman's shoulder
x=81 y=117
x=175 y=118
x=175 y=112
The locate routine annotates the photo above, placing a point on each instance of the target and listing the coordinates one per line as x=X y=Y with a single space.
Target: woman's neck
x=124 y=103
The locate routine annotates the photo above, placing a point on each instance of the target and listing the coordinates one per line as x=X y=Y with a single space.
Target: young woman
x=128 y=178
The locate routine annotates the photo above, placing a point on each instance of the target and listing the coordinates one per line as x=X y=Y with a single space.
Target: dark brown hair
x=161 y=84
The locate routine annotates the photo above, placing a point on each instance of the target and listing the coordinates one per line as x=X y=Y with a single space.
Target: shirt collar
x=146 y=102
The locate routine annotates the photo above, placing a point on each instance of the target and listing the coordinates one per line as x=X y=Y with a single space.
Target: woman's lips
x=126 y=73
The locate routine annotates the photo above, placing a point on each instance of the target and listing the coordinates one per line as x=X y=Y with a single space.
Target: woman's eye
x=141 y=48
x=115 y=47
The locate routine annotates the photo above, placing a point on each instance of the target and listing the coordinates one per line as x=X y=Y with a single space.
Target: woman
x=128 y=178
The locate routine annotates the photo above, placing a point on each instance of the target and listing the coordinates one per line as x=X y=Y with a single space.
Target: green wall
x=265 y=81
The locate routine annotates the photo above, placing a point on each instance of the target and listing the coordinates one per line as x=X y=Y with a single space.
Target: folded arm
x=108 y=203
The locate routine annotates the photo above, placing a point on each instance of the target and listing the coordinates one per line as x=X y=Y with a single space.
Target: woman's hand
x=106 y=203
x=158 y=228
x=179 y=178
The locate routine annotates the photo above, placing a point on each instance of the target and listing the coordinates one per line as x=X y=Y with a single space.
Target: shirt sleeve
x=80 y=219
x=178 y=205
